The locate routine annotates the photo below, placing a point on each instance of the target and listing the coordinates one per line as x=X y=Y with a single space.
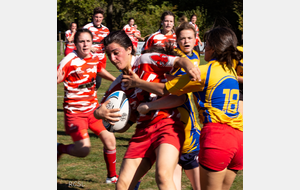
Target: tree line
x=147 y=13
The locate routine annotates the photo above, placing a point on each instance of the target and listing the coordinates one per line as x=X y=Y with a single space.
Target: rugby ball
x=118 y=99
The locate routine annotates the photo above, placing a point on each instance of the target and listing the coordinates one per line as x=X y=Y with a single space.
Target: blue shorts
x=189 y=161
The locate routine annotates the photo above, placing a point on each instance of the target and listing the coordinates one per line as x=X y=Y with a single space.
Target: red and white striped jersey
x=158 y=39
x=80 y=82
x=99 y=33
x=137 y=33
x=149 y=67
x=129 y=30
x=197 y=33
x=70 y=45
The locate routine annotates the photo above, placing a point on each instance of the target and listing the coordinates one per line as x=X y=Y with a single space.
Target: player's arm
x=165 y=102
x=240 y=79
x=189 y=67
x=106 y=75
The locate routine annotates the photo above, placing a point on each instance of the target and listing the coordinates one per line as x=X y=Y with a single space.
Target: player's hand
x=109 y=115
x=143 y=108
x=60 y=75
x=194 y=74
x=200 y=43
x=93 y=49
x=131 y=80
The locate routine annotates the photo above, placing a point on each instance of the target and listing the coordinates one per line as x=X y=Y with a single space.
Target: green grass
x=90 y=171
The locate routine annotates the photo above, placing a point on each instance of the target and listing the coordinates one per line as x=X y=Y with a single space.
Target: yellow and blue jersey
x=217 y=94
x=239 y=66
x=187 y=112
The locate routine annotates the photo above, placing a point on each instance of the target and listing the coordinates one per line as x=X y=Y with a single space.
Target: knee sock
x=110 y=158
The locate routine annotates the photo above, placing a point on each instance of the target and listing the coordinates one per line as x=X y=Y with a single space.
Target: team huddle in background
x=166 y=88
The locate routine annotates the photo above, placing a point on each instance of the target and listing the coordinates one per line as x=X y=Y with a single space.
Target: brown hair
x=119 y=37
x=98 y=10
x=168 y=49
x=185 y=26
x=224 y=42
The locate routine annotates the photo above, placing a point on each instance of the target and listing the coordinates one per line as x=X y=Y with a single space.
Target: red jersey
x=80 y=82
x=69 y=45
x=129 y=30
x=197 y=33
x=158 y=39
x=149 y=67
x=99 y=33
x=137 y=33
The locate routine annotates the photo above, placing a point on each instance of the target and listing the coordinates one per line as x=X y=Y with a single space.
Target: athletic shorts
x=68 y=50
x=147 y=138
x=189 y=161
x=76 y=125
x=135 y=43
x=221 y=146
x=241 y=91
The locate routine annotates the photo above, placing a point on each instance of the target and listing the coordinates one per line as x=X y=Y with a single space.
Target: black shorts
x=189 y=161
x=241 y=91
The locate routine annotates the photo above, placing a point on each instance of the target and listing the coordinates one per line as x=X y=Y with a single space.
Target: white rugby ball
x=118 y=99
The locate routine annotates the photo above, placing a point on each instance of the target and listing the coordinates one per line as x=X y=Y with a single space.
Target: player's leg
x=166 y=160
x=194 y=177
x=109 y=150
x=211 y=180
x=81 y=146
x=229 y=178
x=131 y=171
x=177 y=176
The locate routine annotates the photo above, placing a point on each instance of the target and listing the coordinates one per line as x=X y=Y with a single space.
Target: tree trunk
x=109 y=15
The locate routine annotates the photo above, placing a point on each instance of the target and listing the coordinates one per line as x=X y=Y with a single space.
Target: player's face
x=84 y=44
x=186 y=41
x=131 y=22
x=194 y=19
x=97 y=19
x=74 y=26
x=118 y=55
x=168 y=23
x=208 y=52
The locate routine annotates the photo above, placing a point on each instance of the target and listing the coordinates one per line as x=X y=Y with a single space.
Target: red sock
x=64 y=149
x=110 y=158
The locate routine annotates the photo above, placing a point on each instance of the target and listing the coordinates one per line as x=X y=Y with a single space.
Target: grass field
x=90 y=172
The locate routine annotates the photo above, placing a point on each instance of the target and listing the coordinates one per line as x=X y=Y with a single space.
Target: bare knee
x=163 y=176
x=121 y=184
x=108 y=139
x=83 y=151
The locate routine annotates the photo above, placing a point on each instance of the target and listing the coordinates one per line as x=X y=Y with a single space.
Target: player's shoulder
x=104 y=27
x=240 y=48
x=88 y=25
x=67 y=59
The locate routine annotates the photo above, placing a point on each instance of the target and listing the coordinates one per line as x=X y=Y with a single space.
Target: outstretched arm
x=165 y=102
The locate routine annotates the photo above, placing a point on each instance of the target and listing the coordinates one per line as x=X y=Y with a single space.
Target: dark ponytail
x=224 y=43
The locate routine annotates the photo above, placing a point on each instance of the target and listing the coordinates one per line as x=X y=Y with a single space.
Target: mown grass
x=90 y=172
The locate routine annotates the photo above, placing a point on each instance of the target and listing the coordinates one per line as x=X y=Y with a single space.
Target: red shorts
x=221 y=146
x=147 y=138
x=135 y=43
x=68 y=50
x=76 y=125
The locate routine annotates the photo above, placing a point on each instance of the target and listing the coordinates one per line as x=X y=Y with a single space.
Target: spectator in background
x=99 y=32
x=198 y=40
x=138 y=34
x=69 y=36
x=167 y=34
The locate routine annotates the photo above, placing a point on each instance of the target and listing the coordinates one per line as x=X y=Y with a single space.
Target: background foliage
x=147 y=13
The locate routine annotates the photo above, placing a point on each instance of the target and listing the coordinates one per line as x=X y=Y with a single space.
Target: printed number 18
x=232 y=97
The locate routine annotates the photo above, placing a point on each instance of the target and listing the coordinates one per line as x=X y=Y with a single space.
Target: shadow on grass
x=65 y=186
x=64 y=134
x=60 y=110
